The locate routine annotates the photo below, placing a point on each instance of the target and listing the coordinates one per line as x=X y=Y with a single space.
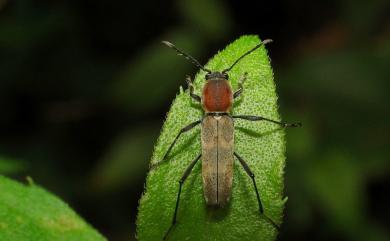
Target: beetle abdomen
x=217 y=96
x=217 y=159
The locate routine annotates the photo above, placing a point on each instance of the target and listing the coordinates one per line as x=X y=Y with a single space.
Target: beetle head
x=217 y=75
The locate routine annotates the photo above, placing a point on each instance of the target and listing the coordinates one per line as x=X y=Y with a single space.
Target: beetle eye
x=207 y=76
x=226 y=76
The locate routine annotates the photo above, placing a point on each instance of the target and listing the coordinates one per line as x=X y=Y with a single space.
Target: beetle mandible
x=217 y=135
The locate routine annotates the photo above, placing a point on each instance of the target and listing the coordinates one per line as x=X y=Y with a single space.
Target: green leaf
x=29 y=213
x=261 y=145
x=125 y=159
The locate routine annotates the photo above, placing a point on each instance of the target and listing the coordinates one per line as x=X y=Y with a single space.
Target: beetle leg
x=252 y=176
x=240 y=87
x=187 y=128
x=191 y=87
x=259 y=118
x=181 y=181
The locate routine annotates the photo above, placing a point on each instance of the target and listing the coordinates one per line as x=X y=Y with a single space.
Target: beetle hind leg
x=186 y=173
x=252 y=176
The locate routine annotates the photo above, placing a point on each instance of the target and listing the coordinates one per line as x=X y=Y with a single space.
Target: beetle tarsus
x=298 y=124
x=277 y=227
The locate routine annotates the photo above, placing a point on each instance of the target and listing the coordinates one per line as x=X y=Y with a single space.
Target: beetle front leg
x=191 y=87
x=181 y=181
x=252 y=176
x=259 y=118
x=240 y=86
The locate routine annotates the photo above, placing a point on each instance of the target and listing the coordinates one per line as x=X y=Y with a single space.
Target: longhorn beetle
x=217 y=134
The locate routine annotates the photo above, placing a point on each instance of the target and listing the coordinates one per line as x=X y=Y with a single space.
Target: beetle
x=217 y=135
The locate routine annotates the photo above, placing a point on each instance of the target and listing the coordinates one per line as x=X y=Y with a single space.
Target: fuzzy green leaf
x=261 y=144
x=29 y=213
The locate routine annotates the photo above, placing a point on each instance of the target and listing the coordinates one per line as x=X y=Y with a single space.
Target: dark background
x=85 y=86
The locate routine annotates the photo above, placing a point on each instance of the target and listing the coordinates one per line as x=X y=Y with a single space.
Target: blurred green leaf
x=347 y=76
x=211 y=19
x=23 y=32
x=151 y=72
x=335 y=181
x=261 y=144
x=125 y=159
x=361 y=17
x=8 y=166
x=31 y=213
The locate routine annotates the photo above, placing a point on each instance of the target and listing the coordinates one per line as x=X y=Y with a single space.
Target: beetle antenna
x=250 y=51
x=187 y=56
